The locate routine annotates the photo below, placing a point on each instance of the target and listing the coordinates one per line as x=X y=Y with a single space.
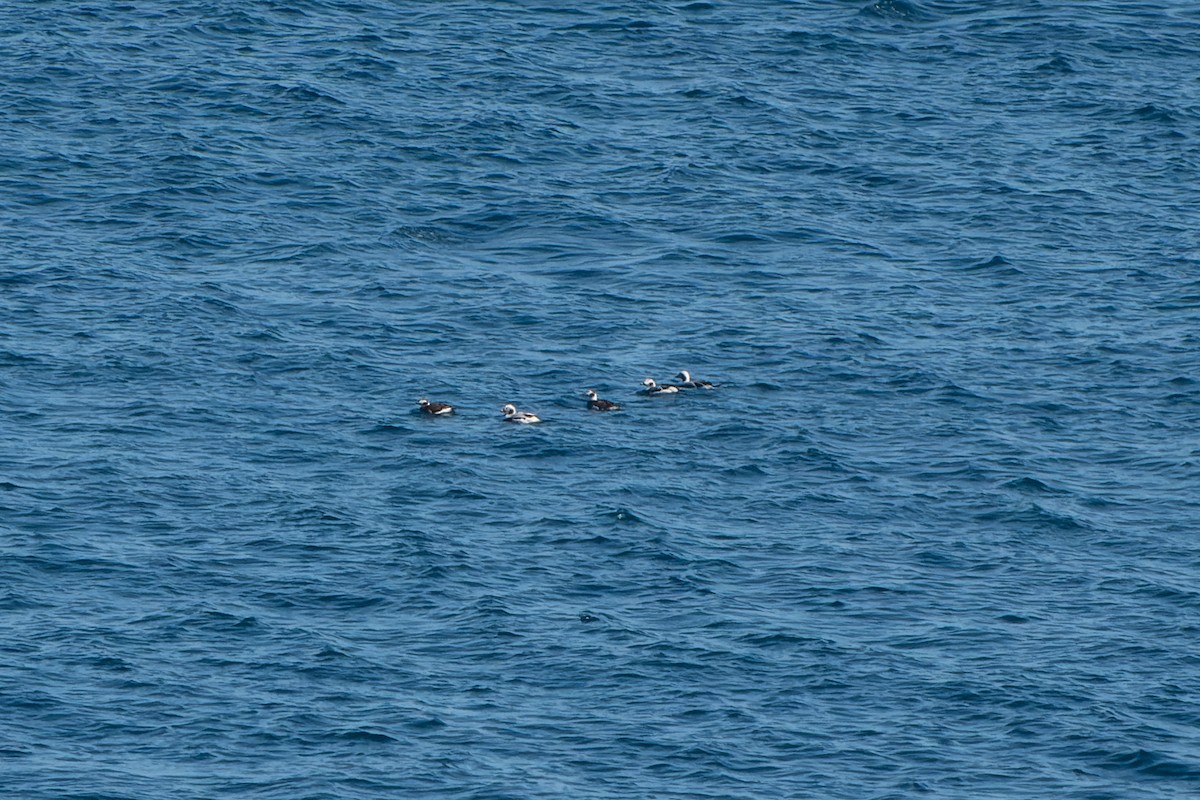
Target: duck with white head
x=511 y=414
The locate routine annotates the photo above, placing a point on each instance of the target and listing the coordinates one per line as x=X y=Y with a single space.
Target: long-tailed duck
x=686 y=382
x=653 y=388
x=437 y=409
x=596 y=404
x=512 y=415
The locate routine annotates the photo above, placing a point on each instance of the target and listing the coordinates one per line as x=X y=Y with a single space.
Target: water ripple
x=933 y=534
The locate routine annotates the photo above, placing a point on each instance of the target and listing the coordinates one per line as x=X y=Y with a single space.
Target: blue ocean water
x=934 y=535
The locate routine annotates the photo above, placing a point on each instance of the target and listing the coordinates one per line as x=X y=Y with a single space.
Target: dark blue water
x=933 y=536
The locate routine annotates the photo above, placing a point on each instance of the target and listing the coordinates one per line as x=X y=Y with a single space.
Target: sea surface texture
x=934 y=534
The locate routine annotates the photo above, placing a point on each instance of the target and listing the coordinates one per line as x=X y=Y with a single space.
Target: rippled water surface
x=933 y=535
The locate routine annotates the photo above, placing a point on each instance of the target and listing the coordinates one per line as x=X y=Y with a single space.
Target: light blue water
x=934 y=534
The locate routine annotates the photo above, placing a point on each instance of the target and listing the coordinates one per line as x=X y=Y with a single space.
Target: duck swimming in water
x=686 y=382
x=512 y=415
x=596 y=404
x=652 y=389
x=437 y=409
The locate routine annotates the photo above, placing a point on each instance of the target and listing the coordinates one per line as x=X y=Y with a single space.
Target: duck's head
x=683 y=376
x=649 y=382
x=509 y=409
x=423 y=402
x=591 y=393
